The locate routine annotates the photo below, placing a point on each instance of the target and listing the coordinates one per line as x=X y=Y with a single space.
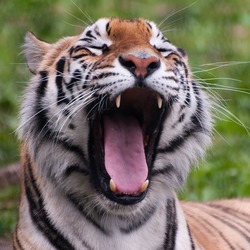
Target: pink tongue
x=125 y=159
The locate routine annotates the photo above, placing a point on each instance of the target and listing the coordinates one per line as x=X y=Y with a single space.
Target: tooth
x=159 y=101
x=144 y=186
x=112 y=186
x=118 y=101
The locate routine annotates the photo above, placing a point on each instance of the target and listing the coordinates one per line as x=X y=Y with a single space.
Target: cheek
x=80 y=132
x=104 y=61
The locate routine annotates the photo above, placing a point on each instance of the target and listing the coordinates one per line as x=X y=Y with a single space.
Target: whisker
x=218 y=65
x=84 y=13
x=175 y=12
x=74 y=25
x=225 y=88
x=77 y=18
x=230 y=116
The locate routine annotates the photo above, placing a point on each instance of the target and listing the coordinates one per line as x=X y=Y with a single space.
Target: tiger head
x=113 y=113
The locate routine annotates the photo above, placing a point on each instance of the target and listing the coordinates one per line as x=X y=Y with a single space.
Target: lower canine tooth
x=112 y=186
x=144 y=186
x=118 y=101
x=159 y=101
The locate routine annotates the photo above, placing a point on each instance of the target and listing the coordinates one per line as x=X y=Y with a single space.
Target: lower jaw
x=124 y=199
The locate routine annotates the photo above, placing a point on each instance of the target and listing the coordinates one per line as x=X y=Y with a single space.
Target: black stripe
x=181 y=118
x=196 y=89
x=104 y=66
x=191 y=239
x=165 y=170
x=88 y=40
x=204 y=223
x=221 y=235
x=137 y=222
x=38 y=213
x=97 y=33
x=186 y=70
x=71 y=50
x=41 y=128
x=171 y=225
x=170 y=78
x=82 y=209
x=104 y=75
x=188 y=100
x=61 y=97
x=182 y=82
x=66 y=112
x=75 y=168
x=177 y=142
x=43 y=83
x=169 y=171
x=108 y=30
x=150 y=26
x=73 y=148
x=182 y=51
x=89 y=34
x=96 y=47
x=84 y=65
x=198 y=117
x=162 y=50
x=244 y=216
x=165 y=40
x=176 y=59
x=76 y=78
x=196 y=127
x=233 y=224
x=79 y=56
x=39 y=111
x=20 y=247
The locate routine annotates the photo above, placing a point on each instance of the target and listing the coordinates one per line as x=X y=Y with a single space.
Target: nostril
x=153 y=66
x=127 y=64
x=140 y=67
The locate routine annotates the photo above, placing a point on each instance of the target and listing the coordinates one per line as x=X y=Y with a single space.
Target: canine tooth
x=112 y=185
x=118 y=101
x=144 y=186
x=159 y=101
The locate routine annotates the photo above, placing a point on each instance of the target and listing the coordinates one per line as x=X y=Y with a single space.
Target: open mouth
x=124 y=136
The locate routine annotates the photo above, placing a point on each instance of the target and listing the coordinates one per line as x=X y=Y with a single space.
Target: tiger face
x=113 y=114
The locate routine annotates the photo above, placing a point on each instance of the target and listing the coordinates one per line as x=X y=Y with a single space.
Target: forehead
x=116 y=28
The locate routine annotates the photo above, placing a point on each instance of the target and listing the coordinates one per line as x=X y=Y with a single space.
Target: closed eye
x=104 y=47
x=162 y=50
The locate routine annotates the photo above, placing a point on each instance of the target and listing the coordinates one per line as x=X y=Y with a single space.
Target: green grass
x=210 y=31
x=8 y=209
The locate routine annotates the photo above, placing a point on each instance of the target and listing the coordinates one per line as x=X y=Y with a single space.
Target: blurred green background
x=216 y=36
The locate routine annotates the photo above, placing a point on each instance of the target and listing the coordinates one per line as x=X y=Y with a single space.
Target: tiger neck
x=74 y=225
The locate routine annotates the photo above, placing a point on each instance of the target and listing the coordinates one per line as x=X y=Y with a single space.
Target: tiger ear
x=34 y=50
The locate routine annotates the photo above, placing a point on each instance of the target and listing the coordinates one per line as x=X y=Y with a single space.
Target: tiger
x=111 y=124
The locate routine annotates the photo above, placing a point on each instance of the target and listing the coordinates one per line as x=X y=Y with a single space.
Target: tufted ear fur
x=34 y=50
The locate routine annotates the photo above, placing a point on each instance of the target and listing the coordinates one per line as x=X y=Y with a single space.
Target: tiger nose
x=140 y=67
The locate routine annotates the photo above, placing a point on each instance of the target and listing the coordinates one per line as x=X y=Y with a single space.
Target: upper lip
x=148 y=108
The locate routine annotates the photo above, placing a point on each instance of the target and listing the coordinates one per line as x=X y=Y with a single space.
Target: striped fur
x=66 y=201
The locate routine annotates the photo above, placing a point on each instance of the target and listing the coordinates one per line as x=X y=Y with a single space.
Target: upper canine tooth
x=118 y=101
x=112 y=186
x=159 y=101
x=144 y=186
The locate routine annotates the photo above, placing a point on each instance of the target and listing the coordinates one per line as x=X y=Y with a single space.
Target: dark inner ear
x=35 y=51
